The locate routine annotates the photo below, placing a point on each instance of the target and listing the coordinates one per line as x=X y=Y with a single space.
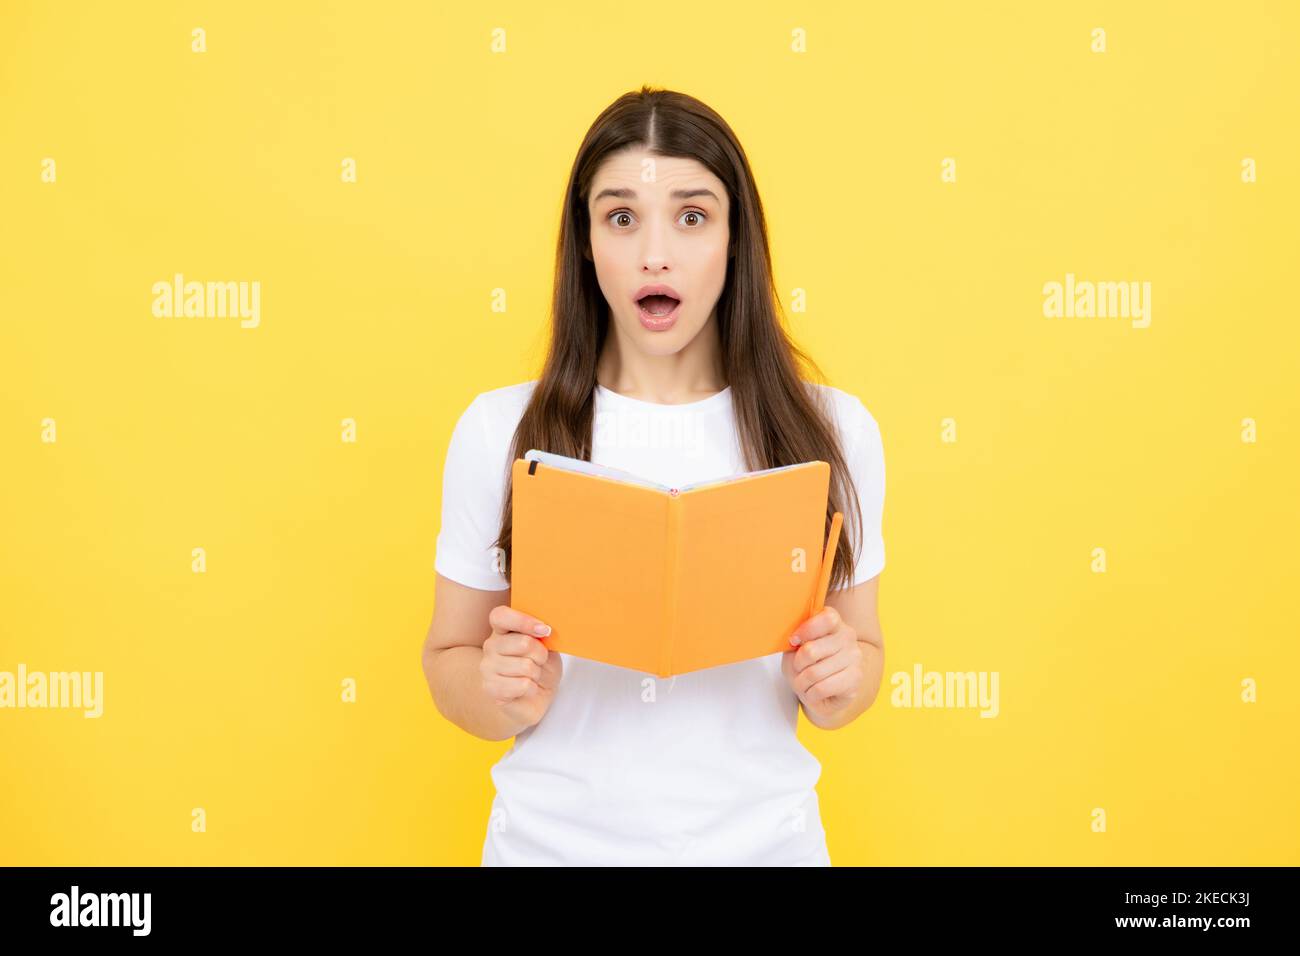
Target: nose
x=655 y=241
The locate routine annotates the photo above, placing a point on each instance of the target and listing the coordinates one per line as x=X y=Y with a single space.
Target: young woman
x=664 y=323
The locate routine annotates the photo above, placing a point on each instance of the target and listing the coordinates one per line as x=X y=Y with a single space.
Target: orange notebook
x=669 y=580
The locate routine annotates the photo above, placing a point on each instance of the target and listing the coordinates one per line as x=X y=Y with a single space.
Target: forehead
x=624 y=169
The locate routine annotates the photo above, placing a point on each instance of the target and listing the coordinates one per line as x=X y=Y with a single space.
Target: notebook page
x=591 y=468
x=748 y=474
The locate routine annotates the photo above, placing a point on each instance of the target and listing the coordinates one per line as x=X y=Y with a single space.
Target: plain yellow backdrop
x=1119 y=690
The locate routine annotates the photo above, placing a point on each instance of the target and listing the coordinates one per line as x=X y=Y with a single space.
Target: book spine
x=671 y=563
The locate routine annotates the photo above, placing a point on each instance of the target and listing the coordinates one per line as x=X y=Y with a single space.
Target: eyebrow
x=625 y=193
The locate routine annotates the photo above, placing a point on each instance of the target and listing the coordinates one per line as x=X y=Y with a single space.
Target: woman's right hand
x=519 y=672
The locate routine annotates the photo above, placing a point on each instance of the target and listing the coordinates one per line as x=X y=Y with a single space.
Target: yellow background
x=222 y=690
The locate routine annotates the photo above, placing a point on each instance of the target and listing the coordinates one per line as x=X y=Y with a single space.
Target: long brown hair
x=778 y=421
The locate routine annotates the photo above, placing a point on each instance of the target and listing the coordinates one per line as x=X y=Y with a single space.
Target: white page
x=619 y=474
x=748 y=474
x=590 y=468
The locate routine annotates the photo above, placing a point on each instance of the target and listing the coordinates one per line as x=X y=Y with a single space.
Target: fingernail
x=795 y=640
x=541 y=630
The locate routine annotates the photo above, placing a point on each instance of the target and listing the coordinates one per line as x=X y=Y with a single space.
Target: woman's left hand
x=825 y=664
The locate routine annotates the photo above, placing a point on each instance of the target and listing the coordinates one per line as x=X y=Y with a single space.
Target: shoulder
x=474 y=481
x=494 y=415
x=479 y=449
x=849 y=413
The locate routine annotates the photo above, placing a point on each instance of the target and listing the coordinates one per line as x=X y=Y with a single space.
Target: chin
x=661 y=343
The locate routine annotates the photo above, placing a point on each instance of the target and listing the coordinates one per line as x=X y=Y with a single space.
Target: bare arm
x=452 y=656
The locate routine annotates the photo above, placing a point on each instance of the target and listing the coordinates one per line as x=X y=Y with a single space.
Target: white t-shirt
x=626 y=768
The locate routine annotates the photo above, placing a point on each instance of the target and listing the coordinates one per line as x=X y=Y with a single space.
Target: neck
x=688 y=375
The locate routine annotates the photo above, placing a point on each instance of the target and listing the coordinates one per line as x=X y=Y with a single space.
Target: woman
x=667 y=359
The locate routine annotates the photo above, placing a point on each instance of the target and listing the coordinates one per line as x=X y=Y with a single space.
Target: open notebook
x=663 y=579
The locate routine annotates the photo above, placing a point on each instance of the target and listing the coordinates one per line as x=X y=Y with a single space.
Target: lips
x=657 y=300
x=658 y=304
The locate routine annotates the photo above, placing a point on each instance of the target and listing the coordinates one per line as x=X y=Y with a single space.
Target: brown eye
x=617 y=214
x=694 y=212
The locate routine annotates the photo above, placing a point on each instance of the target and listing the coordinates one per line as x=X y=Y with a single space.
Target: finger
x=551 y=671
x=511 y=688
x=518 y=667
x=514 y=644
x=824 y=622
x=505 y=618
x=840 y=683
x=811 y=673
x=819 y=648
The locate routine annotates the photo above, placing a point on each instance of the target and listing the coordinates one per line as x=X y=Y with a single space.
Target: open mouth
x=658 y=305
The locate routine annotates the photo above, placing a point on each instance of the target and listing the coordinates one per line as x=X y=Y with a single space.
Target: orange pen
x=824 y=579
